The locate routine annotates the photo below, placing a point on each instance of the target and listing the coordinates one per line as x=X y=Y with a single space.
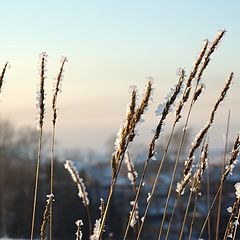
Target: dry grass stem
x=198 y=92
x=41 y=108
x=97 y=225
x=151 y=150
x=197 y=178
x=54 y=109
x=186 y=92
x=233 y=159
x=188 y=86
x=41 y=93
x=195 y=145
x=178 y=116
x=121 y=148
x=195 y=188
x=123 y=134
x=46 y=215
x=208 y=201
x=199 y=138
x=132 y=176
x=234 y=215
x=233 y=223
x=166 y=109
x=141 y=109
x=222 y=171
x=56 y=90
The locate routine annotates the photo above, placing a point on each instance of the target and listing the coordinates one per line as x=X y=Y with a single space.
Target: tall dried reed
x=187 y=172
x=40 y=121
x=180 y=106
x=151 y=149
x=192 y=176
x=206 y=60
x=54 y=119
x=125 y=136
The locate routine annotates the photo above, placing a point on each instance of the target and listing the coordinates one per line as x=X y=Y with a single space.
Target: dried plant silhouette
x=188 y=173
x=187 y=90
x=41 y=109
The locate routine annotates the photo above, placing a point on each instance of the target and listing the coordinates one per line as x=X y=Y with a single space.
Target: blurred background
x=17 y=168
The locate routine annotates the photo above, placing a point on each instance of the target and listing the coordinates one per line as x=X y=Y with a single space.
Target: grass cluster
x=184 y=95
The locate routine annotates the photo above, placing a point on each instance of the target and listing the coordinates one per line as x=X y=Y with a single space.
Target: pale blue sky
x=110 y=46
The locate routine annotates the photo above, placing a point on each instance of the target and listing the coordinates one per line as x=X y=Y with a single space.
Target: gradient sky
x=110 y=46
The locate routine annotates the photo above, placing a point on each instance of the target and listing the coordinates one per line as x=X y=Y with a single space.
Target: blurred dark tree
x=17 y=176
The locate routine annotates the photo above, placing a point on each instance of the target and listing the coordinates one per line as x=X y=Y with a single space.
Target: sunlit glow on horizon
x=111 y=46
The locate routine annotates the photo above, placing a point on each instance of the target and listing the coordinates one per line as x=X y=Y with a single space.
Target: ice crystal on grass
x=82 y=193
